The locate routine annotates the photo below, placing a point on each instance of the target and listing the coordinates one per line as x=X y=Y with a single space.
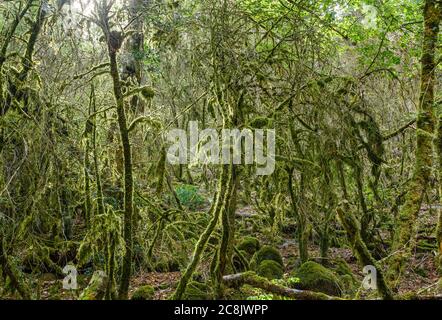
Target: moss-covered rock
x=315 y=277
x=249 y=245
x=144 y=293
x=348 y=279
x=270 y=269
x=197 y=291
x=266 y=253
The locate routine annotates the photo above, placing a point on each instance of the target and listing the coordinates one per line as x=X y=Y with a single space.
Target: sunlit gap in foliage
x=87 y=7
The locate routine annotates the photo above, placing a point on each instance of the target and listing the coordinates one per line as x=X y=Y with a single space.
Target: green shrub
x=189 y=196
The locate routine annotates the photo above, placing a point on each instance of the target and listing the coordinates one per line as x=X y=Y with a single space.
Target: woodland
x=91 y=208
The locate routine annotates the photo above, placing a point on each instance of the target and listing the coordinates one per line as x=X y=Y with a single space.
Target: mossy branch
x=250 y=278
x=145 y=91
x=153 y=122
x=95 y=68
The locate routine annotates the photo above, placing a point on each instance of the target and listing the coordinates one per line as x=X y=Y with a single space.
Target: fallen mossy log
x=250 y=278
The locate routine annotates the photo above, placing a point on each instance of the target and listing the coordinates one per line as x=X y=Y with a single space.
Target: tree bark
x=114 y=40
x=424 y=143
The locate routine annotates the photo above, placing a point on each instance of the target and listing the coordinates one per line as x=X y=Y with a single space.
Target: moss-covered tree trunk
x=114 y=41
x=353 y=229
x=424 y=142
x=7 y=38
x=301 y=220
x=439 y=224
x=14 y=87
x=228 y=232
x=223 y=191
x=8 y=270
x=128 y=179
x=10 y=31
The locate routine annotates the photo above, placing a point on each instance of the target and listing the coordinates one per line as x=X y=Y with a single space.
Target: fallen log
x=252 y=279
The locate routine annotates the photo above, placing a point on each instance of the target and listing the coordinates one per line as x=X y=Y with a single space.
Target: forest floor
x=420 y=277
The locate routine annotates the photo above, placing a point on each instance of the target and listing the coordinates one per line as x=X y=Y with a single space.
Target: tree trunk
x=114 y=40
x=364 y=256
x=224 y=189
x=424 y=140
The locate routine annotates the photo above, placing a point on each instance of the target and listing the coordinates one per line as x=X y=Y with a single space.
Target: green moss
x=147 y=92
x=349 y=284
x=315 y=277
x=238 y=263
x=144 y=293
x=424 y=245
x=96 y=288
x=197 y=291
x=48 y=277
x=293 y=263
x=342 y=268
x=198 y=276
x=270 y=269
x=266 y=253
x=249 y=245
x=166 y=264
x=259 y=122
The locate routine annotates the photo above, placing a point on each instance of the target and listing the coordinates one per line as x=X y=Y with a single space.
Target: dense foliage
x=89 y=90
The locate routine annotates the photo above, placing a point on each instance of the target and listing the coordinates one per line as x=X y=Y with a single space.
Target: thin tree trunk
x=114 y=40
x=223 y=192
x=353 y=229
x=302 y=231
x=128 y=179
